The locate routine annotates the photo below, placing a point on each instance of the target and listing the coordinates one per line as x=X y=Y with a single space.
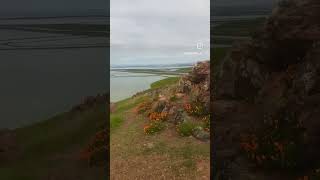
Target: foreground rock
x=273 y=78
x=193 y=89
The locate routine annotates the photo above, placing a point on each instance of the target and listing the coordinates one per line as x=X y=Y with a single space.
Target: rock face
x=276 y=74
x=193 y=88
x=197 y=83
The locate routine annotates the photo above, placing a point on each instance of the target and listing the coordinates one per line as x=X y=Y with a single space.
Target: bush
x=154 y=127
x=156 y=122
x=206 y=123
x=173 y=98
x=279 y=145
x=143 y=107
x=185 y=128
x=155 y=116
x=196 y=109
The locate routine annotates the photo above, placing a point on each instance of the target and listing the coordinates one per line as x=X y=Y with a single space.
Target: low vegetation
x=56 y=143
x=279 y=145
x=154 y=127
x=186 y=128
x=148 y=130
x=165 y=82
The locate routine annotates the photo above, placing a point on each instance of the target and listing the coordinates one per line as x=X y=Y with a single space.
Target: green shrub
x=185 y=128
x=115 y=121
x=206 y=123
x=279 y=145
x=154 y=127
x=196 y=109
x=173 y=98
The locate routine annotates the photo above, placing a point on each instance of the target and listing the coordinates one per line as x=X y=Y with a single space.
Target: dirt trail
x=135 y=155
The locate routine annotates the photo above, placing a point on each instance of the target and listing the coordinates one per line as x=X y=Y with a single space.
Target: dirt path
x=135 y=155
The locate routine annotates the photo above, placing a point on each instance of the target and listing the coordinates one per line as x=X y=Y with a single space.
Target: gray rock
x=158 y=106
x=201 y=134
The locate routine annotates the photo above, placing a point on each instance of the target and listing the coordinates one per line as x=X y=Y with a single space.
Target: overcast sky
x=159 y=32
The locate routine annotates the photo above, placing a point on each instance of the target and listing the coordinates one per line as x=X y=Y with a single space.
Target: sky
x=159 y=32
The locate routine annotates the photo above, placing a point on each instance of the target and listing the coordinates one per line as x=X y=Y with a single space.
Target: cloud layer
x=155 y=32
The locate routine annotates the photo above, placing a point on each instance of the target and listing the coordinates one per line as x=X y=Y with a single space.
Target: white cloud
x=148 y=29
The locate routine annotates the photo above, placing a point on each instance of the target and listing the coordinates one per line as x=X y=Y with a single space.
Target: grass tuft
x=186 y=128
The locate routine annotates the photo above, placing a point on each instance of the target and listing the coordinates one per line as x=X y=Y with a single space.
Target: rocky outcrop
x=197 y=83
x=90 y=101
x=193 y=89
x=276 y=76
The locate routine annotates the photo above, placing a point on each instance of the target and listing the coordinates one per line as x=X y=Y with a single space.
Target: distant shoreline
x=165 y=73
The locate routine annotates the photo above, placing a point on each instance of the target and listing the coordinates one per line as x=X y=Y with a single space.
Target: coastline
x=159 y=73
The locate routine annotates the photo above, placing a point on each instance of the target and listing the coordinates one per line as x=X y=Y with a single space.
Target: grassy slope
x=43 y=143
x=54 y=143
x=117 y=117
x=184 y=70
x=169 y=156
x=164 y=82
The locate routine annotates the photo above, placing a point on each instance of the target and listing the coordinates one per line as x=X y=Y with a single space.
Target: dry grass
x=135 y=155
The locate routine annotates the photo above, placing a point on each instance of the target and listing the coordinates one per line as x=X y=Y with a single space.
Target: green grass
x=117 y=117
x=173 y=98
x=155 y=127
x=69 y=131
x=61 y=132
x=164 y=82
x=115 y=121
x=132 y=142
x=184 y=70
x=129 y=103
x=186 y=128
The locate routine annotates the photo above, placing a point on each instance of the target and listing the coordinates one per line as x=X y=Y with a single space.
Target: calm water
x=125 y=84
x=39 y=83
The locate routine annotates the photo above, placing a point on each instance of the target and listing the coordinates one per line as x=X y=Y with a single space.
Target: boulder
x=158 y=106
x=201 y=134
